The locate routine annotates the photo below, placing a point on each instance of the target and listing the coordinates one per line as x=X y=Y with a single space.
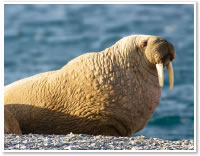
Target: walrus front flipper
x=11 y=125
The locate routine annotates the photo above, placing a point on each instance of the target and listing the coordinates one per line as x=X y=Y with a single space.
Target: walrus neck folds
x=126 y=52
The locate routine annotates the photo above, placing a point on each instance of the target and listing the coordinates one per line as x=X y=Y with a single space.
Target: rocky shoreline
x=89 y=142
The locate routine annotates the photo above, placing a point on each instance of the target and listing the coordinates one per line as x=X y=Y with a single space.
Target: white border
x=97 y=2
x=94 y=2
x=101 y=1
x=195 y=75
x=2 y=71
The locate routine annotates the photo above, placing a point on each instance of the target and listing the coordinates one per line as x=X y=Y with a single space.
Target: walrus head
x=159 y=52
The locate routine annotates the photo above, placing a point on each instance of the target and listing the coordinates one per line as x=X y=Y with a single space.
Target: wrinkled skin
x=112 y=92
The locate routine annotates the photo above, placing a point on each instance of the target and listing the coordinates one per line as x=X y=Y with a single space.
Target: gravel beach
x=89 y=142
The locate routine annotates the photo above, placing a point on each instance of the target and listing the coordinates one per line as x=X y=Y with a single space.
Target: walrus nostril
x=171 y=57
x=165 y=59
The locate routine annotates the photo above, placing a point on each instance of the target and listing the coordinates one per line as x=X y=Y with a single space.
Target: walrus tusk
x=171 y=75
x=160 y=72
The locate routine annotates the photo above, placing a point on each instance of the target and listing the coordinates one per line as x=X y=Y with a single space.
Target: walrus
x=111 y=92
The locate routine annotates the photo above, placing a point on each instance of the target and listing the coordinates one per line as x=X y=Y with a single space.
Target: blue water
x=40 y=38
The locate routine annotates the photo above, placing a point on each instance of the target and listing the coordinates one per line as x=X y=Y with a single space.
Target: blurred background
x=40 y=38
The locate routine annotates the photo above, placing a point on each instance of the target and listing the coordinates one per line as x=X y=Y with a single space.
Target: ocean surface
x=40 y=38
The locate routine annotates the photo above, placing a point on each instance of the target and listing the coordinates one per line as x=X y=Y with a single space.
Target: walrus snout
x=166 y=58
x=161 y=53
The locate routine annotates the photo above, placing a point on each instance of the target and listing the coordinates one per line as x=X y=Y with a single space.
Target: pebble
x=89 y=142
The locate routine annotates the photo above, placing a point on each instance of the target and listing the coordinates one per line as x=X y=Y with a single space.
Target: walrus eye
x=144 y=43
